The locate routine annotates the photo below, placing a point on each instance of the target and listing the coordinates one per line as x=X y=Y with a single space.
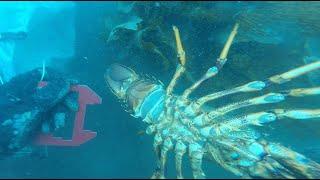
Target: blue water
x=72 y=37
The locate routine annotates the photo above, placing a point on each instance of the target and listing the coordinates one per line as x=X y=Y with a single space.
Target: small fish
x=141 y=132
x=1 y=81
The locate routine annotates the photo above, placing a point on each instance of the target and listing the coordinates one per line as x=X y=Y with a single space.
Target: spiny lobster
x=180 y=123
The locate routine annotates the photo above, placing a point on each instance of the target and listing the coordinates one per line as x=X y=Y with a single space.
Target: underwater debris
x=180 y=124
x=43 y=70
x=131 y=25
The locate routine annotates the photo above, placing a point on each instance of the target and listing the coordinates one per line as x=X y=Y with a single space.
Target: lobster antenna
x=219 y=64
x=182 y=61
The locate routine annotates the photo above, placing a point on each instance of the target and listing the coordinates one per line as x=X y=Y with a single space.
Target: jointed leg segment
x=277 y=79
x=219 y=64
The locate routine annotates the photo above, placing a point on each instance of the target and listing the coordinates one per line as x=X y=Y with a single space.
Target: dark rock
x=24 y=106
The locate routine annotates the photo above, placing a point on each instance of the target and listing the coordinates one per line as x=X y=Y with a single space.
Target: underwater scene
x=160 y=89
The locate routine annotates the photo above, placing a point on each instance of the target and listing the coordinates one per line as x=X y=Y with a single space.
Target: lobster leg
x=287 y=76
x=261 y=118
x=219 y=64
x=250 y=119
x=249 y=87
x=156 y=145
x=269 y=98
x=265 y=99
x=180 y=150
x=167 y=145
x=196 y=155
x=300 y=92
x=297 y=113
x=277 y=79
x=254 y=159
